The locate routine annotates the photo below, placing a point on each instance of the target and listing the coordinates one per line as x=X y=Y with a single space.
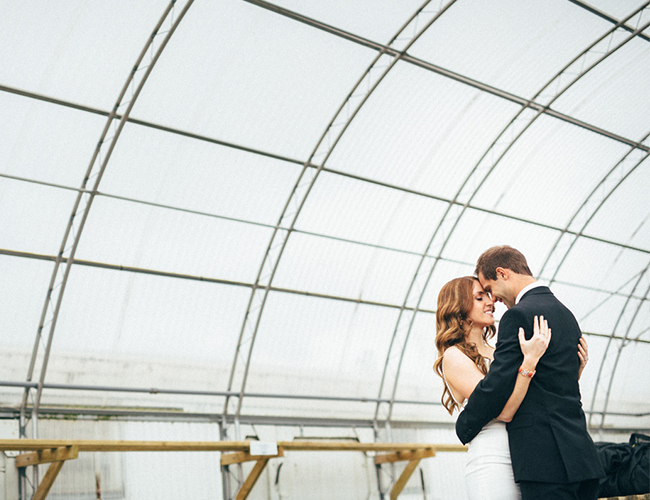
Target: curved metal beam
x=360 y=93
x=590 y=207
x=597 y=52
x=609 y=364
x=83 y=203
x=606 y=17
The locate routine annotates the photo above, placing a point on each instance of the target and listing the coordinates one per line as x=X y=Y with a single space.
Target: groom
x=553 y=456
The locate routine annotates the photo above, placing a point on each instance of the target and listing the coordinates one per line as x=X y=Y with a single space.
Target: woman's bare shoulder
x=454 y=357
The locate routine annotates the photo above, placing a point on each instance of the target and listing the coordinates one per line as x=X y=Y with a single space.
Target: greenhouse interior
x=224 y=227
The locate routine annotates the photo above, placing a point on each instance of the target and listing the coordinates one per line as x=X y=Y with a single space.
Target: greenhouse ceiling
x=247 y=208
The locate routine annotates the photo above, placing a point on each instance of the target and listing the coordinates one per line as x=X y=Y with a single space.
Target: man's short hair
x=501 y=256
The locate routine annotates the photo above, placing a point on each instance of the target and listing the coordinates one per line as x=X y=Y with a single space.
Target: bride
x=465 y=323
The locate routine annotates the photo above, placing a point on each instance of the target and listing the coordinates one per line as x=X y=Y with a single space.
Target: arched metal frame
x=85 y=197
x=549 y=93
x=360 y=93
x=609 y=363
x=406 y=58
x=590 y=207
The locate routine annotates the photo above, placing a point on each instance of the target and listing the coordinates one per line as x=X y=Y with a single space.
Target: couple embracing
x=520 y=403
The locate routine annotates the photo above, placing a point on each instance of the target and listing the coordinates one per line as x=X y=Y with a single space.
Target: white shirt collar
x=534 y=284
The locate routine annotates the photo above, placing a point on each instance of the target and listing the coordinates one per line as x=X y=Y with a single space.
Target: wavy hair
x=455 y=301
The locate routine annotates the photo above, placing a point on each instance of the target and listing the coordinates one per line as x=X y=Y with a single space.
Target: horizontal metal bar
x=443 y=72
x=187 y=392
x=52 y=258
x=153 y=272
x=130 y=415
x=616 y=337
x=298 y=162
x=355 y=177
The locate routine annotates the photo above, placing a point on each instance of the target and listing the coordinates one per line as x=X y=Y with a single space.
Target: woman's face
x=482 y=308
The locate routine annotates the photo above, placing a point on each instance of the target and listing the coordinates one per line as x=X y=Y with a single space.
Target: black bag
x=627 y=467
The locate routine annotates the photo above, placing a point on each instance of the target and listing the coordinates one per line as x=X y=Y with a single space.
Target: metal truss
x=303 y=293
x=606 y=17
x=615 y=345
x=597 y=52
x=362 y=90
x=106 y=143
x=382 y=64
x=447 y=73
x=589 y=208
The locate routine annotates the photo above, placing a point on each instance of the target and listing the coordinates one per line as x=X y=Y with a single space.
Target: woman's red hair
x=455 y=301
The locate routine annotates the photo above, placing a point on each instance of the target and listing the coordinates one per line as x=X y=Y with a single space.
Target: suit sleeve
x=492 y=393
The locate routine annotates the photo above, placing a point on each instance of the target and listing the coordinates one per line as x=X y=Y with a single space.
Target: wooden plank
x=403 y=479
x=343 y=446
x=99 y=445
x=47 y=456
x=252 y=478
x=243 y=456
x=47 y=482
x=404 y=455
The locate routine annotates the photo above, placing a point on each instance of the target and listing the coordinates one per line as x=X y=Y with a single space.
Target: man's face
x=498 y=289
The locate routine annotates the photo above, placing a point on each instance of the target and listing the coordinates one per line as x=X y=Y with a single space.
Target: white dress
x=488 y=473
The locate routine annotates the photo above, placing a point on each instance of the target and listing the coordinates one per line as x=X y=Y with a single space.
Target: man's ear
x=503 y=273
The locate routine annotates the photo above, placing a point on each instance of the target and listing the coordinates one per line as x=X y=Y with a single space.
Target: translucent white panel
x=624 y=215
x=514 y=46
x=421 y=131
x=614 y=95
x=174 y=170
x=619 y=9
x=444 y=474
x=77 y=51
x=240 y=73
x=549 y=172
x=445 y=271
x=376 y=20
x=595 y=311
x=478 y=231
x=46 y=142
x=323 y=476
x=23 y=289
x=118 y=313
x=332 y=267
x=417 y=380
x=33 y=218
x=10 y=398
x=601 y=265
x=308 y=345
x=137 y=235
x=628 y=393
x=348 y=208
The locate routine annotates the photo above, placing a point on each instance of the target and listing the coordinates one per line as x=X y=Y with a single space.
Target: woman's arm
x=533 y=350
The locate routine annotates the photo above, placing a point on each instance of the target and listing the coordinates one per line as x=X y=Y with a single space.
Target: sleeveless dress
x=488 y=473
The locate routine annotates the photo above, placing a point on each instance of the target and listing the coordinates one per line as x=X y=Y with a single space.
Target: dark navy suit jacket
x=548 y=435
